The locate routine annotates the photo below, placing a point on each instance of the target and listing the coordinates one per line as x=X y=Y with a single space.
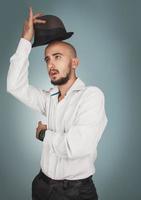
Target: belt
x=64 y=181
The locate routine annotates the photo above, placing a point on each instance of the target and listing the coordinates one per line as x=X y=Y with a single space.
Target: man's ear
x=75 y=62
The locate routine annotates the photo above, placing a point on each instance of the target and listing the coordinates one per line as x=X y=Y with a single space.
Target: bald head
x=68 y=46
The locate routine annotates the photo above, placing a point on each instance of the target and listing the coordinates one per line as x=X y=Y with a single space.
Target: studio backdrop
x=107 y=37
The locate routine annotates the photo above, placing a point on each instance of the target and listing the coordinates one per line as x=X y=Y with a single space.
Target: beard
x=62 y=80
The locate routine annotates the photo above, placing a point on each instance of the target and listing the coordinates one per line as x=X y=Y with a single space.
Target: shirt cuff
x=24 y=47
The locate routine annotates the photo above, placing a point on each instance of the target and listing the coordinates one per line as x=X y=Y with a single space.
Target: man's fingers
x=38 y=129
x=30 y=13
x=44 y=127
x=39 y=21
x=41 y=126
x=32 y=19
x=37 y=15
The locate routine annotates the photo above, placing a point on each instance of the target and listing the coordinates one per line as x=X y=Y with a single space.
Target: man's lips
x=53 y=73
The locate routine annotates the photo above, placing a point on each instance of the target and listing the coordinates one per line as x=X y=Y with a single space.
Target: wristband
x=41 y=135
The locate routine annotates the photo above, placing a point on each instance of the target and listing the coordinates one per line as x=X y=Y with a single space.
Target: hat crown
x=52 y=22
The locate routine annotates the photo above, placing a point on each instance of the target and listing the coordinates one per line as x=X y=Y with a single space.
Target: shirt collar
x=77 y=85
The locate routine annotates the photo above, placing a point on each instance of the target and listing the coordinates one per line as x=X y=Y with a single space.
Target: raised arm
x=17 y=77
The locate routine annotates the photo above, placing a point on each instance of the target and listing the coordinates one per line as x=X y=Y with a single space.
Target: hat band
x=51 y=32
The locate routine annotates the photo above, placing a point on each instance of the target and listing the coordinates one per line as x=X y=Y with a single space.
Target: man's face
x=59 y=63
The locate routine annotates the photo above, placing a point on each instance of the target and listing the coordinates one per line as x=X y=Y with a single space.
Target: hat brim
x=52 y=38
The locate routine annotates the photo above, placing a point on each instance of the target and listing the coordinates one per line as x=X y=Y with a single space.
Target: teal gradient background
x=107 y=36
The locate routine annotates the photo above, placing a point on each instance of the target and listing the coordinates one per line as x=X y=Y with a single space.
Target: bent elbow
x=10 y=88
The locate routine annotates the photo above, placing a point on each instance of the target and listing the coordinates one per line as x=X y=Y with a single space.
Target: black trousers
x=45 y=188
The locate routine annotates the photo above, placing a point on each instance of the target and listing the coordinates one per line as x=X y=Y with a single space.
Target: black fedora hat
x=52 y=30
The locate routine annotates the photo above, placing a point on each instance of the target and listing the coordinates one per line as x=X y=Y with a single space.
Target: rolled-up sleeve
x=18 y=83
x=86 y=131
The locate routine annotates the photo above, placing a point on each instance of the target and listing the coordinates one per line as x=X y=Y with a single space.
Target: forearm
x=17 y=79
x=80 y=141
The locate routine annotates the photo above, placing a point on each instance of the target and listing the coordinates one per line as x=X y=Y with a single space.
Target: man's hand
x=40 y=130
x=28 y=29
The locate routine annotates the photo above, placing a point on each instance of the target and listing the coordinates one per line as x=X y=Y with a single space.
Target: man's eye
x=45 y=59
x=57 y=57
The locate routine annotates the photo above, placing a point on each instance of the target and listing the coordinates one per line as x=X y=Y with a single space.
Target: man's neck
x=64 y=88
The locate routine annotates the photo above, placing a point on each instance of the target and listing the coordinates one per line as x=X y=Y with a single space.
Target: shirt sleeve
x=84 y=135
x=17 y=79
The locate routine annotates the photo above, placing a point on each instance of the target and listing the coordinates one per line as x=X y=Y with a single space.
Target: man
x=75 y=114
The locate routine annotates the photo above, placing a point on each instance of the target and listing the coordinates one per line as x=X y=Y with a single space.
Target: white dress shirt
x=75 y=124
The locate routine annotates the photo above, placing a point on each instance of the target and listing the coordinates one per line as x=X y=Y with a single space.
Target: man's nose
x=51 y=67
x=51 y=64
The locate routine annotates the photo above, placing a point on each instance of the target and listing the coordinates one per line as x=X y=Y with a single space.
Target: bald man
x=75 y=116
